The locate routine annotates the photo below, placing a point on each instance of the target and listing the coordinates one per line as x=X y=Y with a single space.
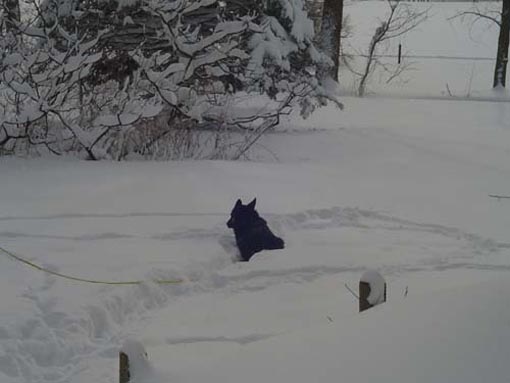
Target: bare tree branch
x=400 y=20
x=478 y=15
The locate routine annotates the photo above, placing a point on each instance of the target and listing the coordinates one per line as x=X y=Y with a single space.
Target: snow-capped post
x=134 y=363
x=124 y=375
x=372 y=290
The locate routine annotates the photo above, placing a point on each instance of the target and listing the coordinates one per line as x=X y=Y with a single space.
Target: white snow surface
x=349 y=191
x=401 y=186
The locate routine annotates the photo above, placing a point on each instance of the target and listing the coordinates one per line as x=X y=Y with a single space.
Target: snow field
x=374 y=193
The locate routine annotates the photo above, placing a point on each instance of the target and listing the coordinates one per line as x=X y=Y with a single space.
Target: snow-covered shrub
x=48 y=102
x=75 y=85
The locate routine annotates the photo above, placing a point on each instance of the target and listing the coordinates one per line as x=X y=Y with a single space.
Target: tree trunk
x=503 y=42
x=331 y=26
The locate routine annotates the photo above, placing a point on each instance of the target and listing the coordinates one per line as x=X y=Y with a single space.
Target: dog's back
x=251 y=231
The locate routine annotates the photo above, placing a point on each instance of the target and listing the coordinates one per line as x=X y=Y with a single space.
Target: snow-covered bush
x=102 y=88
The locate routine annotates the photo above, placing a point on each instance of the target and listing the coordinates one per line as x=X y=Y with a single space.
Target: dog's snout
x=229 y=223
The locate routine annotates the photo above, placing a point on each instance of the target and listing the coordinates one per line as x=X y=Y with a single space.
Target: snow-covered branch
x=98 y=87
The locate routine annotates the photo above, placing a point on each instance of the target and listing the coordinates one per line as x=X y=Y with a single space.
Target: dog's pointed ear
x=251 y=205
x=239 y=203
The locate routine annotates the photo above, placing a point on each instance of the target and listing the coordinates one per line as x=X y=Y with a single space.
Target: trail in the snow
x=308 y=220
x=51 y=345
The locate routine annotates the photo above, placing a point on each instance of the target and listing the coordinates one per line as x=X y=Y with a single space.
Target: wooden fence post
x=364 y=292
x=124 y=375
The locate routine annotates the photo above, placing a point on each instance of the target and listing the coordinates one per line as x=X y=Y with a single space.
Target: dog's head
x=243 y=215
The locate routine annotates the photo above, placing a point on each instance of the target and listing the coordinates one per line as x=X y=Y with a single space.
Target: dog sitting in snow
x=251 y=231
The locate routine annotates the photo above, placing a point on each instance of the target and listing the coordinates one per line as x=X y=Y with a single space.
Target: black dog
x=251 y=231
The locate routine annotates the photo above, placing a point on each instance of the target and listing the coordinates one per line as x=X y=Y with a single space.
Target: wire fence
x=429 y=57
x=422 y=75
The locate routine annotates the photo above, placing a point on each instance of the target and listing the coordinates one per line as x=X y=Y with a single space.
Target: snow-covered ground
x=399 y=186
x=408 y=196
